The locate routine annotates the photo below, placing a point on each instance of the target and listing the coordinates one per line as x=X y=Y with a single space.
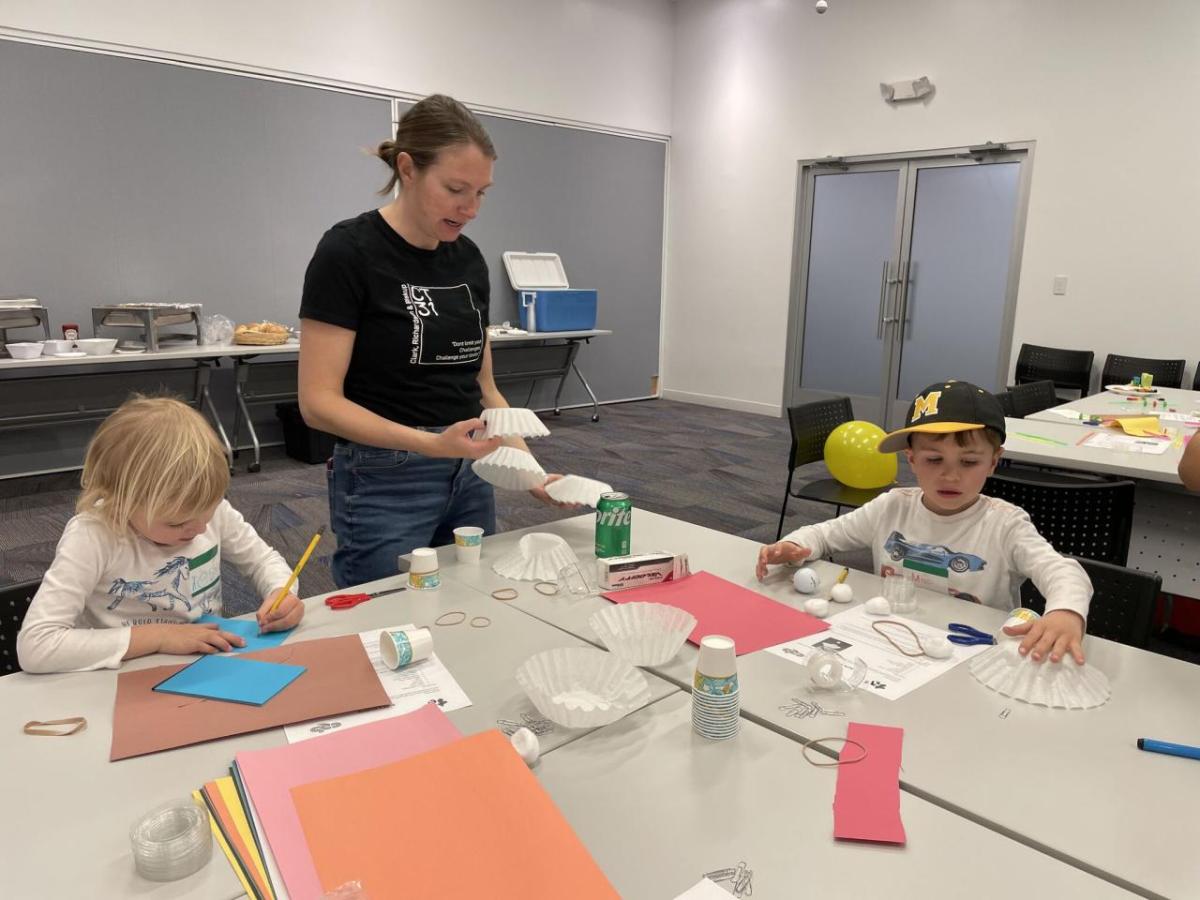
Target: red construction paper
x=753 y=620
x=866 y=804
x=465 y=821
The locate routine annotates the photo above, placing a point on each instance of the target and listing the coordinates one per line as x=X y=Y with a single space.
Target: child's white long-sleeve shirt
x=101 y=583
x=981 y=554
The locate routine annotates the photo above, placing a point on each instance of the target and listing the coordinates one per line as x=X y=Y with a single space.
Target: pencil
x=841 y=579
x=296 y=571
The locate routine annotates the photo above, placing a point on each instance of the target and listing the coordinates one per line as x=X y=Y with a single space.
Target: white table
x=538 y=354
x=1042 y=442
x=659 y=806
x=68 y=809
x=1107 y=403
x=1071 y=784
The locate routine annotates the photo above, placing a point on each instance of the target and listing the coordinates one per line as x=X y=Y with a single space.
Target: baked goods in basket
x=262 y=334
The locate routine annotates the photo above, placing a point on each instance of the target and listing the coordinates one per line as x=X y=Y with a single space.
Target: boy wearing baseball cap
x=946 y=535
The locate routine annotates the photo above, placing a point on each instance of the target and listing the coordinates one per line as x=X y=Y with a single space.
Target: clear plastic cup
x=901 y=593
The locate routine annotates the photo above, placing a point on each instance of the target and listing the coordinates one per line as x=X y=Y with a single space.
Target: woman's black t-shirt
x=419 y=317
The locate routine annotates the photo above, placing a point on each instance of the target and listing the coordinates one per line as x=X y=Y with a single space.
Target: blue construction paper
x=248 y=629
x=231 y=678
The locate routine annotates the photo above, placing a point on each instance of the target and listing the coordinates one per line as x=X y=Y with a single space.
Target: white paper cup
x=718 y=658
x=400 y=647
x=423 y=572
x=468 y=543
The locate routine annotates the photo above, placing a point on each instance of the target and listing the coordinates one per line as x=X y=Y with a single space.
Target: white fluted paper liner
x=512 y=423
x=644 y=634
x=510 y=469
x=577 y=489
x=582 y=687
x=1063 y=685
x=538 y=557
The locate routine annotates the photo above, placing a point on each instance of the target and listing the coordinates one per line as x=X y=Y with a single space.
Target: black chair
x=1080 y=517
x=14 y=602
x=811 y=425
x=1123 y=369
x=1032 y=397
x=1123 y=602
x=1071 y=369
x=1196 y=378
x=1006 y=403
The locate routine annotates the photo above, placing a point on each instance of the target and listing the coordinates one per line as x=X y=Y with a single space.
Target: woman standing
x=395 y=358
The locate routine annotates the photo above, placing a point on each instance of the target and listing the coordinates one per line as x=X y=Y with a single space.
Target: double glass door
x=906 y=275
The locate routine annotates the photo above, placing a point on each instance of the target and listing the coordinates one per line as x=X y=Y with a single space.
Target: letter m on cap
x=926 y=406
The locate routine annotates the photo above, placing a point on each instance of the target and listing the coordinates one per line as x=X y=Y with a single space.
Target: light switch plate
x=1060 y=285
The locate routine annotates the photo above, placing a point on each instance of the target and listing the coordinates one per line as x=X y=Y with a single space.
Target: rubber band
x=48 y=729
x=453 y=612
x=504 y=594
x=484 y=619
x=839 y=761
x=887 y=637
x=546 y=584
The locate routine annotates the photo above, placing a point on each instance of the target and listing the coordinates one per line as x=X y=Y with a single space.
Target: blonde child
x=958 y=540
x=141 y=559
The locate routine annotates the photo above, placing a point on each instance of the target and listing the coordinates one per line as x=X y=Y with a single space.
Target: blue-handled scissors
x=967 y=636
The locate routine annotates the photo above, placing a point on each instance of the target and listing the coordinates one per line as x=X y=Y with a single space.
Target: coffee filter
x=582 y=687
x=510 y=469
x=537 y=557
x=645 y=634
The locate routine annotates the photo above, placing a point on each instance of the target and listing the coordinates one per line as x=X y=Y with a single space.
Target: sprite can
x=614 y=518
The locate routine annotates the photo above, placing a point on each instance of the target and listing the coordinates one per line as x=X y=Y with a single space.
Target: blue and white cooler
x=545 y=299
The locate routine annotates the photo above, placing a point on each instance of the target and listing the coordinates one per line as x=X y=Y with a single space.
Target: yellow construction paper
x=233 y=803
x=1140 y=426
x=224 y=845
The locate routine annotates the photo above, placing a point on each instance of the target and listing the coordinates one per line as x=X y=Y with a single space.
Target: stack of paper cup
x=423 y=572
x=468 y=542
x=715 y=701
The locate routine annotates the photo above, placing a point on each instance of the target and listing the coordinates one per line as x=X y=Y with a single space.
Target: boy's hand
x=781 y=552
x=202 y=637
x=1057 y=632
x=288 y=615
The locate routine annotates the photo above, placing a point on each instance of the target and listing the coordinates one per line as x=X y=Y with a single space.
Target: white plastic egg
x=841 y=593
x=878 y=606
x=806 y=581
x=526 y=744
x=817 y=606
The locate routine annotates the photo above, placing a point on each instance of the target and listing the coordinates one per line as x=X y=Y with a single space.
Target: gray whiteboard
x=124 y=179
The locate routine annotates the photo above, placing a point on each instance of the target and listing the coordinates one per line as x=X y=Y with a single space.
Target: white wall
x=1106 y=88
x=605 y=62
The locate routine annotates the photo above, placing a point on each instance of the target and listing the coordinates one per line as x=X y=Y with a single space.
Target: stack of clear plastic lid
x=171 y=841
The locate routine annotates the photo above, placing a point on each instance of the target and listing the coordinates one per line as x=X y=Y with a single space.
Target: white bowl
x=1062 y=685
x=577 y=489
x=644 y=634
x=54 y=348
x=537 y=557
x=509 y=422
x=24 y=349
x=582 y=687
x=96 y=346
x=510 y=469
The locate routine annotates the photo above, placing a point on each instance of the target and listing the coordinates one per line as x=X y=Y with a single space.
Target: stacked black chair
x=14 y=603
x=1070 y=369
x=1032 y=397
x=811 y=425
x=1123 y=602
x=1123 y=369
x=1196 y=378
x=1006 y=403
x=1080 y=517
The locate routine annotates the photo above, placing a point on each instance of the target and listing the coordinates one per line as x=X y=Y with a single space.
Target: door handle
x=883 y=282
x=902 y=307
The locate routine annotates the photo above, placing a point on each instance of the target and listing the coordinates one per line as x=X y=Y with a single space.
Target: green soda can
x=614 y=518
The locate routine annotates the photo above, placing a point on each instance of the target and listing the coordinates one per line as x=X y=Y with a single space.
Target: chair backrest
x=1122 y=369
x=812 y=423
x=1032 y=397
x=1092 y=519
x=1196 y=378
x=14 y=602
x=1123 y=602
x=1006 y=403
x=1066 y=368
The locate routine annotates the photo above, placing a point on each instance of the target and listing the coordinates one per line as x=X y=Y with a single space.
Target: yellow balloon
x=853 y=457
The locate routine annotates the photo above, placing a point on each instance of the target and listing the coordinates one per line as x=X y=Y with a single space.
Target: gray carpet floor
x=721 y=469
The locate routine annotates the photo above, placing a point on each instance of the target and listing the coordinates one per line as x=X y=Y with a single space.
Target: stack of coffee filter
x=716 y=705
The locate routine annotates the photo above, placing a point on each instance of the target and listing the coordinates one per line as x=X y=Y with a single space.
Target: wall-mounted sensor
x=822 y=6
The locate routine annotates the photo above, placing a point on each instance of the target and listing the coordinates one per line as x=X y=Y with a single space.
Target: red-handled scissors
x=349 y=601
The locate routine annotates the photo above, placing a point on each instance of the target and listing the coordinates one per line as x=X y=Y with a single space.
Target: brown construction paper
x=340 y=679
x=466 y=820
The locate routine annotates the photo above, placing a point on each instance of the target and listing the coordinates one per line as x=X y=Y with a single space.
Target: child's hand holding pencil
x=282 y=609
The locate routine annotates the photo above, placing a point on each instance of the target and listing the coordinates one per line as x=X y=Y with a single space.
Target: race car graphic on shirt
x=935 y=555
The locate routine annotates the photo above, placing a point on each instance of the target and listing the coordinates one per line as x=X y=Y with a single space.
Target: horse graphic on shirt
x=178 y=570
x=123 y=589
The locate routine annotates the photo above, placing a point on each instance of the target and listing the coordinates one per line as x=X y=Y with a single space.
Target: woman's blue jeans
x=384 y=503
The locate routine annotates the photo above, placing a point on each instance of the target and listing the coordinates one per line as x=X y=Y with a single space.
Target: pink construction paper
x=866 y=804
x=753 y=620
x=269 y=776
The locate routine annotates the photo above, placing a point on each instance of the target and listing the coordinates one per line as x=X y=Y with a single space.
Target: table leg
x=243 y=412
x=205 y=402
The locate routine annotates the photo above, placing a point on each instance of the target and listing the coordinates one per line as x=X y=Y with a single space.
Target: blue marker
x=1172 y=749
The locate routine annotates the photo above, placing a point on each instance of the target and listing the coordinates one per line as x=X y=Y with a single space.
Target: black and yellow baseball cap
x=946 y=407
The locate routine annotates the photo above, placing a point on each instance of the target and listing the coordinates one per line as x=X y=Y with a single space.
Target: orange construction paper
x=467 y=820
x=340 y=679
